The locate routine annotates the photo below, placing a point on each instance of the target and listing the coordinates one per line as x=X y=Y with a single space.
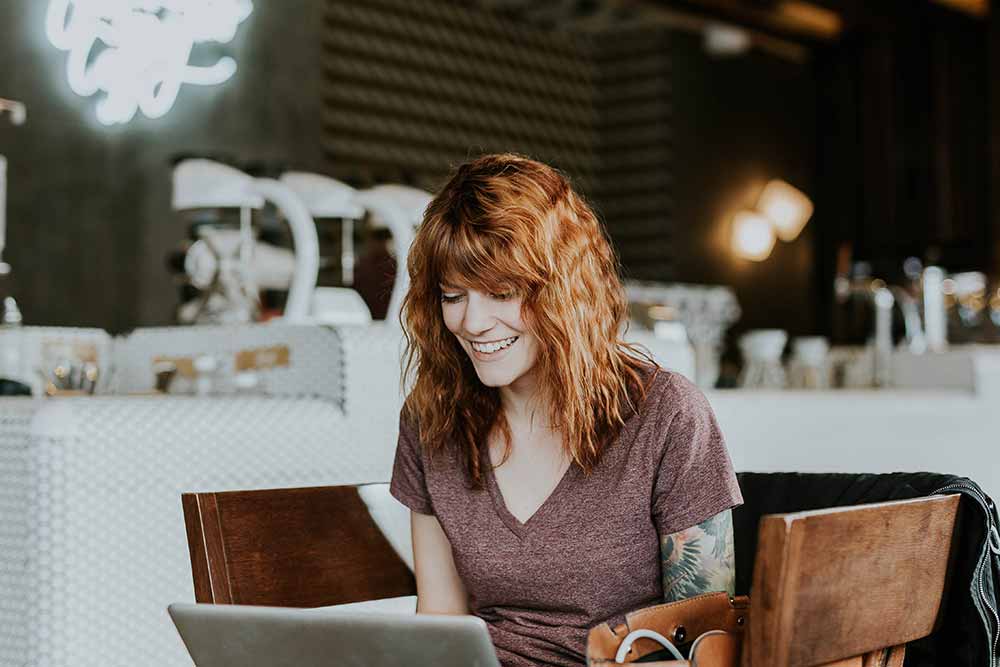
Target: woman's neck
x=524 y=406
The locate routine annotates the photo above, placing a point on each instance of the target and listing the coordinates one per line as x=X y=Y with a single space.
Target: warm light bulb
x=753 y=236
x=787 y=207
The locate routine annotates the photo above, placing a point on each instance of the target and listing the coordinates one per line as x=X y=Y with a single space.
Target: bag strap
x=626 y=646
x=694 y=616
x=678 y=622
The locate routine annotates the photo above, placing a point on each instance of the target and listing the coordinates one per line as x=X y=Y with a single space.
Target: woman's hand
x=700 y=559
x=439 y=588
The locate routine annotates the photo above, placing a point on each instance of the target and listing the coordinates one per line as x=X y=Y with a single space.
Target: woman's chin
x=492 y=378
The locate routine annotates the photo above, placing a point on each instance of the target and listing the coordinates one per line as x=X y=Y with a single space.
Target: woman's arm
x=700 y=559
x=439 y=588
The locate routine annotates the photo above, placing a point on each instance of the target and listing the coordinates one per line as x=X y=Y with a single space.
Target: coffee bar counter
x=92 y=541
x=92 y=538
x=942 y=415
x=887 y=430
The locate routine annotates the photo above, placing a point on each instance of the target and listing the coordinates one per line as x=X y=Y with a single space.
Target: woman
x=556 y=478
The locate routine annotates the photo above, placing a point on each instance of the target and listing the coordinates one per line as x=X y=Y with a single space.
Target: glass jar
x=809 y=367
x=762 y=349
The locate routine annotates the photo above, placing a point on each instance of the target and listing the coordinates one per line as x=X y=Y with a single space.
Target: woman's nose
x=479 y=316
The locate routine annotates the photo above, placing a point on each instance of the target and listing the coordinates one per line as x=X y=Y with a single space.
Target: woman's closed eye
x=455 y=297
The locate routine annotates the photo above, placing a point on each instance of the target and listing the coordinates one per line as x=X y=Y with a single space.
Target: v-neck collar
x=512 y=522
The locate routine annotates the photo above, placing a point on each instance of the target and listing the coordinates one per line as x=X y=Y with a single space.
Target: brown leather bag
x=712 y=625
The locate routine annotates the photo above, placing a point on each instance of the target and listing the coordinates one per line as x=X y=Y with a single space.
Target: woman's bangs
x=479 y=261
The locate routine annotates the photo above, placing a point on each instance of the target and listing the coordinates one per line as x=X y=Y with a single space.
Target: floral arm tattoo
x=700 y=559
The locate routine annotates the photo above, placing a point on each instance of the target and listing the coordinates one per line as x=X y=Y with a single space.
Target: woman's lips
x=492 y=356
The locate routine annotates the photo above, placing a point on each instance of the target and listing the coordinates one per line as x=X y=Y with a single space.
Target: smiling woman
x=557 y=477
x=509 y=230
x=491 y=328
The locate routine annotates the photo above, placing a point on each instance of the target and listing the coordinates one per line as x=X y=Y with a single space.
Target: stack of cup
x=809 y=367
x=762 y=349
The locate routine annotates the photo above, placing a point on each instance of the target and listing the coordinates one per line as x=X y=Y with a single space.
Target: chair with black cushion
x=959 y=637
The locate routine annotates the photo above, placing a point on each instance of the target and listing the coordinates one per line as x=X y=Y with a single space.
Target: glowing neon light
x=136 y=51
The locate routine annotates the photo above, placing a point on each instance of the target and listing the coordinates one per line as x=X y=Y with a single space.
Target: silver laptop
x=246 y=636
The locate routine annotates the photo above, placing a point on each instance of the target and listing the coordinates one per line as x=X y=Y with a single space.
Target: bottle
x=935 y=310
x=11 y=348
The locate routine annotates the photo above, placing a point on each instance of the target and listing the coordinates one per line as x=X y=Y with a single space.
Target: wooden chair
x=849 y=586
x=306 y=547
x=846 y=586
x=840 y=587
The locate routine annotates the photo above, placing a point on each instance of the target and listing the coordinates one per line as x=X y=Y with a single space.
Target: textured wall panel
x=421 y=86
x=414 y=88
x=634 y=145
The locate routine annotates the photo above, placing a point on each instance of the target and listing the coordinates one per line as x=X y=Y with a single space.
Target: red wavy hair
x=507 y=223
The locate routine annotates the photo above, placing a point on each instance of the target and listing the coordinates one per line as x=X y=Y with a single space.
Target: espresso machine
x=225 y=265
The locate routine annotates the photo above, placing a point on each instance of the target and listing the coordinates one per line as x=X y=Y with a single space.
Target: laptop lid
x=247 y=636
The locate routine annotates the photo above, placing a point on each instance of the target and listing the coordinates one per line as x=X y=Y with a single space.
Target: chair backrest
x=305 y=547
x=838 y=583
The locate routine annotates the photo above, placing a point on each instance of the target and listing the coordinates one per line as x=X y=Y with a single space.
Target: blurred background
x=670 y=116
x=205 y=209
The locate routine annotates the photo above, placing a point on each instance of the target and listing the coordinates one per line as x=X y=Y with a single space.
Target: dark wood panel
x=903 y=160
x=305 y=547
x=993 y=77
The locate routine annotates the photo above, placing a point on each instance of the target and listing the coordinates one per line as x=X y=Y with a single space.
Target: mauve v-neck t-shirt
x=591 y=552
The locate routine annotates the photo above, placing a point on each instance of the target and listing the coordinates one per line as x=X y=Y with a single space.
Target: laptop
x=247 y=636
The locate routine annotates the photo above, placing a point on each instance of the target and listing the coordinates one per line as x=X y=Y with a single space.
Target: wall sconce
x=753 y=236
x=787 y=207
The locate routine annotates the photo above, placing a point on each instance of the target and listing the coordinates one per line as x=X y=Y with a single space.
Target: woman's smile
x=492 y=350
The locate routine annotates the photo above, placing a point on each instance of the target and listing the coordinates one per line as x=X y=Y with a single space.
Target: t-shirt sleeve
x=408 y=484
x=695 y=480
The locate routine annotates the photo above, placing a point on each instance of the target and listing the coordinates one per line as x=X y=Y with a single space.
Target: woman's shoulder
x=409 y=427
x=411 y=437
x=674 y=417
x=670 y=390
x=671 y=405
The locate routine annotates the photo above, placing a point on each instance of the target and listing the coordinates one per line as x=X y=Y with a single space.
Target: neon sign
x=136 y=52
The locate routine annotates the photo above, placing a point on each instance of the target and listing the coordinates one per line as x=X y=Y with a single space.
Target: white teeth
x=489 y=348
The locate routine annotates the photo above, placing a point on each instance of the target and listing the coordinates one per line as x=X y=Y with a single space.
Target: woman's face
x=491 y=330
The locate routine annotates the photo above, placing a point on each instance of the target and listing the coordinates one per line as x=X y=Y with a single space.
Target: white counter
x=863 y=431
x=92 y=539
